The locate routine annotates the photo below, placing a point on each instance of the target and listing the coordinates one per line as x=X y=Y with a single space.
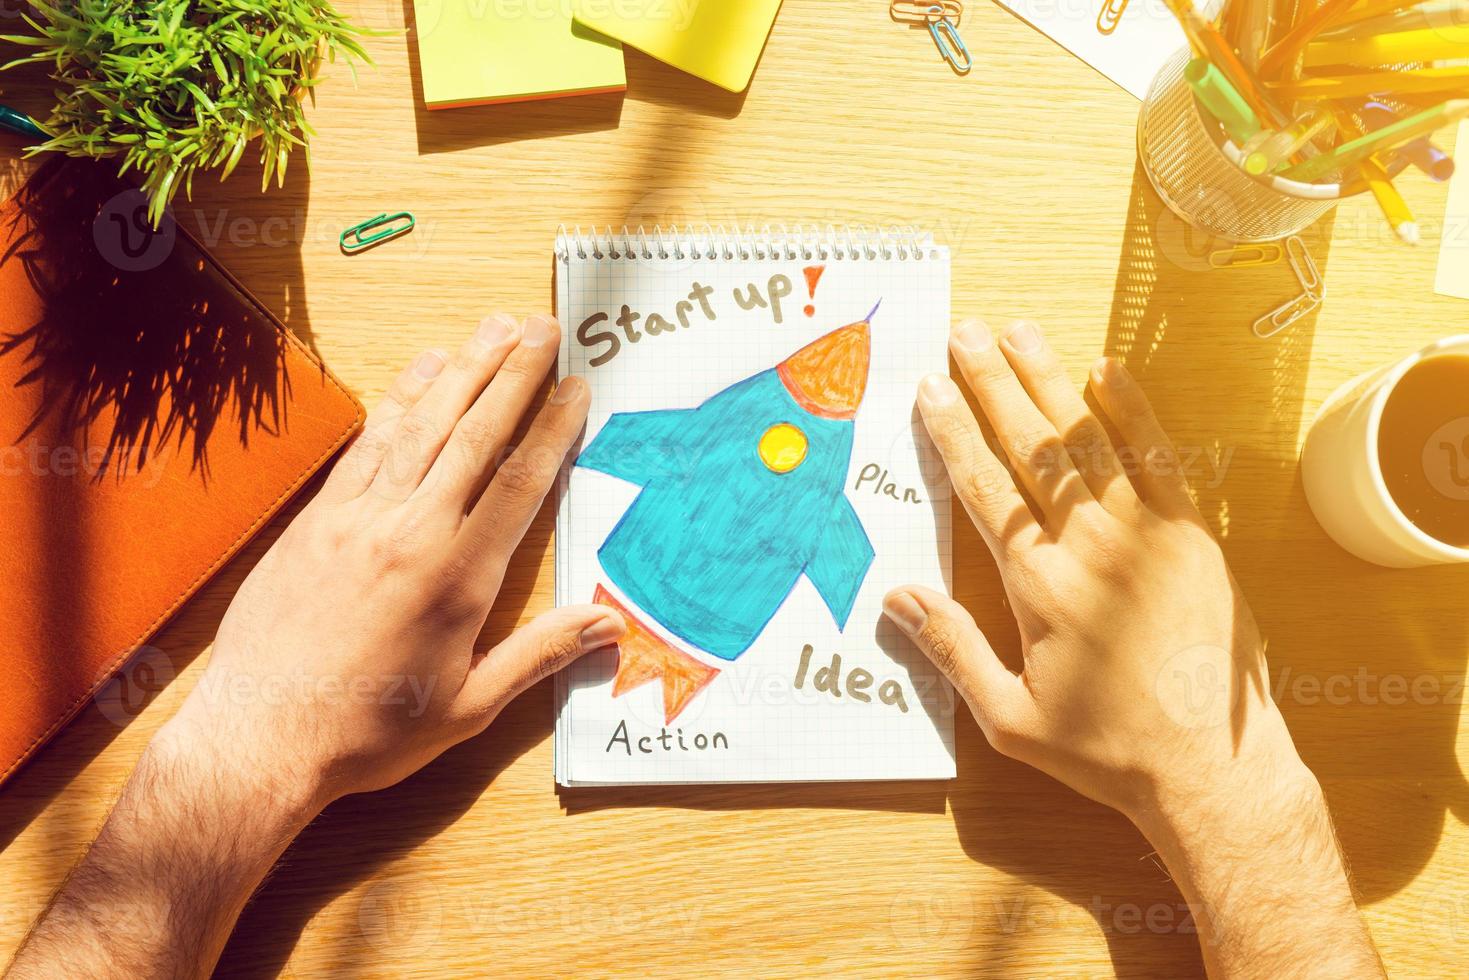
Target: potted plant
x=172 y=87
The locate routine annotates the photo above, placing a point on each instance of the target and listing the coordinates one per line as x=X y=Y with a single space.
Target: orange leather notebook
x=153 y=416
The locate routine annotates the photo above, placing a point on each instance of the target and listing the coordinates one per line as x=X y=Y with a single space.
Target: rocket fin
x=642 y=657
x=841 y=561
x=640 y=446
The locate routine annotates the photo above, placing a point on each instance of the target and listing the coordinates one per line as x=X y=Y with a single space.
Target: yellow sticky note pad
x=1453 y=248
x=474 y=52
x=717 y=40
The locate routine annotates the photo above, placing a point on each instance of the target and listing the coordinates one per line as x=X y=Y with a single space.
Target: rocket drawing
x=741 y=497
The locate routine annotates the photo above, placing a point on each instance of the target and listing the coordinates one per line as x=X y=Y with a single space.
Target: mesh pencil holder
x=1191 y=169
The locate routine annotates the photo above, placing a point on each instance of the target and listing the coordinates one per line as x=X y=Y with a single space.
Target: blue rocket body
x=717 y=539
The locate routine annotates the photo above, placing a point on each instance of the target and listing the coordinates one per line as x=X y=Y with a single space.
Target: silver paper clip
x=1285 y=315
x=1313 y=292
x=1305 y=267
x=950 y=44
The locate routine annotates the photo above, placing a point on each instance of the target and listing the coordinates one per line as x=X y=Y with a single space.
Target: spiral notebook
x=752 y=480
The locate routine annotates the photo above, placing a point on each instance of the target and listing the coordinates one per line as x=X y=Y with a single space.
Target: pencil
x=1367 y=84
x=1384 y=8
x=1399 y=218
x=1394 y=208
x=1243 y=25
x=1388 y=137
x=1285 y=51
x=1405 y=18
x=1424 y=44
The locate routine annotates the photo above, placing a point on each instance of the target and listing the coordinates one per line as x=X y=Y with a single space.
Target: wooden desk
x=1026 y=170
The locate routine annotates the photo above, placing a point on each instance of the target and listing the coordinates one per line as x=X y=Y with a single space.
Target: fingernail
x=937 y=390
x=1113 y=373
x=973 y=336
x=496 y=329
x=538 y=331
x=429 y=364
x=605 y=631
x=904 y=610
x=1024 y=338
x=568 y=390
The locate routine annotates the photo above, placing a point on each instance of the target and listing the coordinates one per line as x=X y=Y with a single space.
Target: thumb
x=532 y=653
x=948 y=635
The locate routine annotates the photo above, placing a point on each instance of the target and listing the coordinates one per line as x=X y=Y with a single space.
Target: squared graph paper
x=762 y=718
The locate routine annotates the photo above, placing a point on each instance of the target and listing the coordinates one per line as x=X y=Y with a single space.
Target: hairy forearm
x=1261 y=868
x=190 y=838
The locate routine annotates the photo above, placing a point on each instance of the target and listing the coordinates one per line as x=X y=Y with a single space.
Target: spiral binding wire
x=773 y=241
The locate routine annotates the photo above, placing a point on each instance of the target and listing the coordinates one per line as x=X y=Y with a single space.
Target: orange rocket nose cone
x=828 y=376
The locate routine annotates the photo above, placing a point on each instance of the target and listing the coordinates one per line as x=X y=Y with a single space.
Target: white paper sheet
x=1144 y=37
x=1453 y=246
x=769 y=727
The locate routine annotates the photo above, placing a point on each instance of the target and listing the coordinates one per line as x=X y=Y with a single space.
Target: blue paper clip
x=382 y=228
x=950 y=44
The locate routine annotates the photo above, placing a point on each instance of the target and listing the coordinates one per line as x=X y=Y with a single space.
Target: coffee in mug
x=1386 y=463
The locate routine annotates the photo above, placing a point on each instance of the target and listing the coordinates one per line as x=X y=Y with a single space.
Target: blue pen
x=19 y=122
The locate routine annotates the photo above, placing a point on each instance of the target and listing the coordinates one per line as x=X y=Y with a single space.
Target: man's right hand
x=1144 y=683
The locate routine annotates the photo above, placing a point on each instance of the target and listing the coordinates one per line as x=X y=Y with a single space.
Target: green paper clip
x=384 y=227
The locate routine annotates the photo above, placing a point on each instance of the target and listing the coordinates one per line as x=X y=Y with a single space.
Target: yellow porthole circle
x=782 y=447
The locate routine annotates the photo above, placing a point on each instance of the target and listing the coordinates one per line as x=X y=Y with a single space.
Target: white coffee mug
x=1343 y=473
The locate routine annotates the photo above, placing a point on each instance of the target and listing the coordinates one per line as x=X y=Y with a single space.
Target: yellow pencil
x=1373 y=9
x=1422 y=80
x=1284 y=53
x=1422 y=13
x=1394 y=208
x=1425 y=44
